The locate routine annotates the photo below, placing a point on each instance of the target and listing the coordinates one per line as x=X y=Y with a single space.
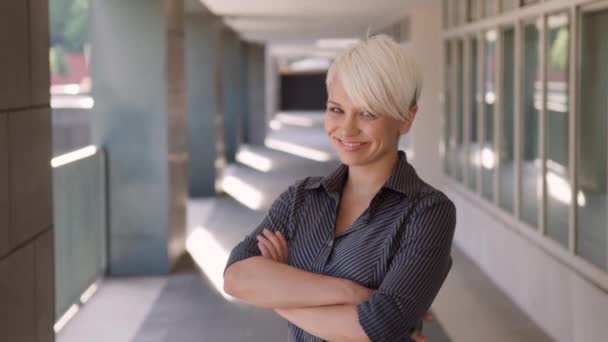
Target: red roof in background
x=78 y=69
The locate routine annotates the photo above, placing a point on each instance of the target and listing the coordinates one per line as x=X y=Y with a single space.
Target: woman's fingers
x=279 y=250
x=264 y=250
x=417 y=337
x=266 y=245
x=284 y=244
x=273 y=245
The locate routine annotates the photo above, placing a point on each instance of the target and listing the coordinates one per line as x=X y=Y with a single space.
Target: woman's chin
x=352 y=159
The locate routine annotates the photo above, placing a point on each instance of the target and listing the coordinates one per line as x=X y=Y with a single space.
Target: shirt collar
x=403 y=179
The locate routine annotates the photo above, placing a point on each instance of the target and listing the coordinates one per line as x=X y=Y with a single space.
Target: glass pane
x=488 y=152
x=559 y=189
x=592 y=224
x=462 y=12
x=70 y=75
x=490 y=8
x=474 y=9
x=473 y=138
x=529 y=2
x=459 y=120
x=444 y=13
x=508 y=5
x=531 y=191
x=455 y=12
x=507 y=166
x=448 y=148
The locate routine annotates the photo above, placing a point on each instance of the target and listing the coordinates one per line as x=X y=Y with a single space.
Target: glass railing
x=79 y=197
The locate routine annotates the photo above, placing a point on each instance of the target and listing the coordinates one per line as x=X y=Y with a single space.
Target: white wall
x=425 y=47
x=563 y=303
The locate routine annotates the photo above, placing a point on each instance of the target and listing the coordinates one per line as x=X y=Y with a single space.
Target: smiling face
x=361 y=138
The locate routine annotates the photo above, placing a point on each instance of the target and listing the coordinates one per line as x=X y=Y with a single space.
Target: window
x=473 y=158
x=474 y=10
x=508 y=5
x=455 y=12
x=462 y=11
x=490 y=8
x=488 y=151
x=507 y=123
x=592 y=222
x=445 y=13
x=531 y=95
x=557 y=176
x=70 y=78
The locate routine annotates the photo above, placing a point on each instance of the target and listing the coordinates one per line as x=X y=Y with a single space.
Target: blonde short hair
x=379 y=75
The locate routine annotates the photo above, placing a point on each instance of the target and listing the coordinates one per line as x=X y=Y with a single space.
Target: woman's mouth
x=351 y=146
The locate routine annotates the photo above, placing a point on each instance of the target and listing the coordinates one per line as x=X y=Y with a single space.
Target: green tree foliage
x=559 y=49
x=69 y=26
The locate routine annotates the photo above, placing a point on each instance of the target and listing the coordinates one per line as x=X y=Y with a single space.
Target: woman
x=360 y=254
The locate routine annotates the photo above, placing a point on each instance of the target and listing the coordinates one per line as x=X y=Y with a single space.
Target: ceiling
x=294 y=25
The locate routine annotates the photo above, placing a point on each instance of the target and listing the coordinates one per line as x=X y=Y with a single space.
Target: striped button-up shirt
x=400 y=245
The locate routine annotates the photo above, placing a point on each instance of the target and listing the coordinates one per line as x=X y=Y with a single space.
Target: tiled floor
x=189 y=306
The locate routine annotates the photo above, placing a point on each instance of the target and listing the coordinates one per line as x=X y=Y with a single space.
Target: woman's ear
x=407 y=124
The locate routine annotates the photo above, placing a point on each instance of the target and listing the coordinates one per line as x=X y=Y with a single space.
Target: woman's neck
x=366 y=180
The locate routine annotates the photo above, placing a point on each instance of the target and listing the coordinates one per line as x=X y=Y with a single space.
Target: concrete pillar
x=233 y=91
x=273 y=84
x=204 y=102
x=425 y=27
x=255 y=124
x=27 y=293
x=139 y=118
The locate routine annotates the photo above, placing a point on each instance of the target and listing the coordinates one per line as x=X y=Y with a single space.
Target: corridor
x=190 y=306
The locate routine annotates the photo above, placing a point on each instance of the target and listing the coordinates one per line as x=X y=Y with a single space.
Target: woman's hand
x=417 y=334
x=273 y=245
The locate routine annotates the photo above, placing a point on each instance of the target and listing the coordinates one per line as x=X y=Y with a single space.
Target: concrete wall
x=561 y=301
x=26 y=224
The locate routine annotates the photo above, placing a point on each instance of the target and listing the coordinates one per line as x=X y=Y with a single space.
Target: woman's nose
x=350 y=126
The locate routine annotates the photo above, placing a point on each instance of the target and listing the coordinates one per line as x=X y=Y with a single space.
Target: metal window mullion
x=466 y=109
x=454 y=103
x=447 y=110
x=543 y=131
x=482 y=110
x=572 y=128
x=498 y=77
x=521 y=13
x=481 y=46
x=517 y=130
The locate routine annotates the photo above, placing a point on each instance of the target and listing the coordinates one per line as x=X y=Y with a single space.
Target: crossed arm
x=268 y=282
x=325 y=306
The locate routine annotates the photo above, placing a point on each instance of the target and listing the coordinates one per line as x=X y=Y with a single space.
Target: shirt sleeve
x=276 y=219
x=415 y=275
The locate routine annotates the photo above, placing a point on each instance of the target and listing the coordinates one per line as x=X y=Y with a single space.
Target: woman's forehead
x=337 y=95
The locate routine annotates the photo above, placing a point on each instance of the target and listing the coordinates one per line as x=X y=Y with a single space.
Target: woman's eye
x=368 y=114
x=335 y=110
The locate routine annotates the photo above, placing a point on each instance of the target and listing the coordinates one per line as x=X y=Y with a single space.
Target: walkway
x=189 y=306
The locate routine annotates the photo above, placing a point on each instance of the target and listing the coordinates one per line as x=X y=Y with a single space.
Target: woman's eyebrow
x=336 y=103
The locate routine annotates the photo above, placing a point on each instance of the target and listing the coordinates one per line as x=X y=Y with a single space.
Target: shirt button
x=330 y=243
